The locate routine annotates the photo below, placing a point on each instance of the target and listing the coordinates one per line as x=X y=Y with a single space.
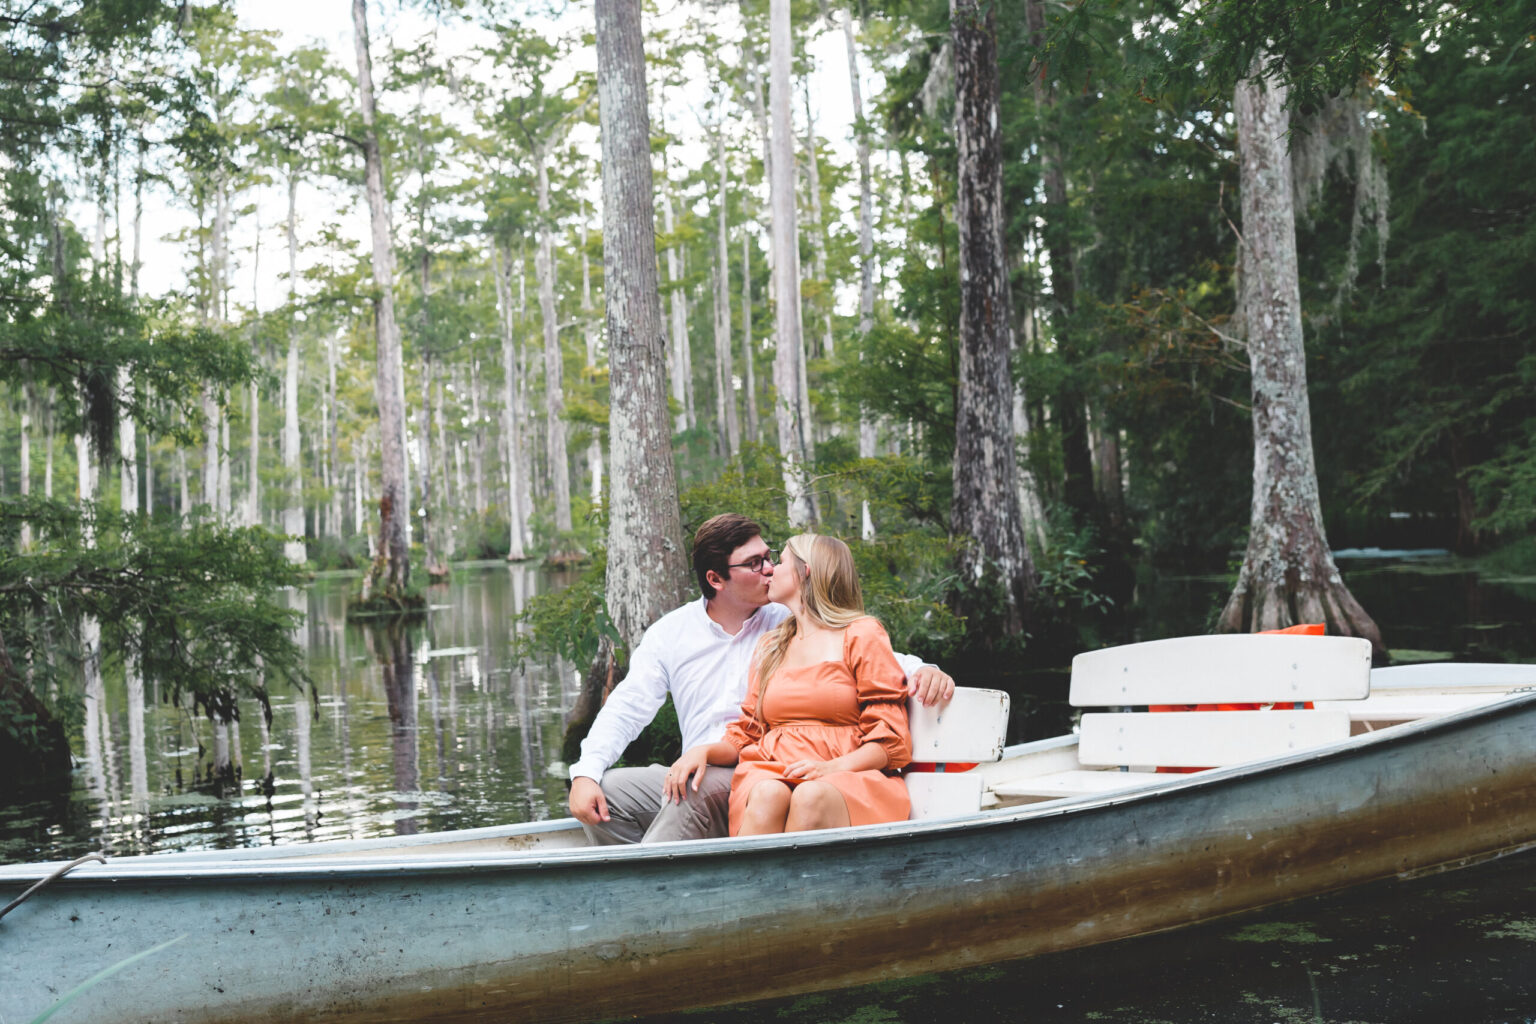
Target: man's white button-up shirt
x=688 y=654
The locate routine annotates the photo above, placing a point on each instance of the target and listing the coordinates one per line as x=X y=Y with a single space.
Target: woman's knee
x=768 y=797
x=818 y=804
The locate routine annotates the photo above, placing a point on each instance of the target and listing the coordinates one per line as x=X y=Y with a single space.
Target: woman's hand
x=805 y=771
x=690 y=766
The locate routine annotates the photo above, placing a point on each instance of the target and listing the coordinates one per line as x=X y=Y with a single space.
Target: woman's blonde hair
x=830 y=596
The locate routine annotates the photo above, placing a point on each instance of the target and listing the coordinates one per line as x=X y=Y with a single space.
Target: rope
x=66 y=869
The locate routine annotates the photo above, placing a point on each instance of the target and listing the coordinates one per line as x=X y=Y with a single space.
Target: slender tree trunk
x=677 y=349
x=589 y=331
x=1288 y=573
x=392 y=568
x=748 y=356
x=554 y=373
x=293 y=494
x=28 y=403
x=818 y=229
x=986 y=501
x=789 y=360
x=866 y=254
x=511 y=408
x=725 y=377
x=646 y=566
x=1031 y=508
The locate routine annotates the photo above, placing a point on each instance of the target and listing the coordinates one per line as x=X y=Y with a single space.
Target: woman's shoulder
x=867 y=628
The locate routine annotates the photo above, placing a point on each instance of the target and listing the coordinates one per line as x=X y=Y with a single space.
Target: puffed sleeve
x=882 y=688
x=746 y=730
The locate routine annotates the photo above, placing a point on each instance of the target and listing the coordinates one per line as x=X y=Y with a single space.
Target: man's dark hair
x=713 y=543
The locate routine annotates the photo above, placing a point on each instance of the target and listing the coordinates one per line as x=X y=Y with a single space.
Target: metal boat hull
x=427 y=934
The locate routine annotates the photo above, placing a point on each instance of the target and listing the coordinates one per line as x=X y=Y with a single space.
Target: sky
x=257 y=272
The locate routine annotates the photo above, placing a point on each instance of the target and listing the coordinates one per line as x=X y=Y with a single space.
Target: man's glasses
x=756 y=562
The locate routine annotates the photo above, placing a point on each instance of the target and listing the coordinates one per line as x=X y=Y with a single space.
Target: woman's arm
x=869 y=757
x=882 y=692
x=690 y=768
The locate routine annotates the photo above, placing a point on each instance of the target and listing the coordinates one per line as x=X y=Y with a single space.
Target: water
x=467 y=739
x=468 y=743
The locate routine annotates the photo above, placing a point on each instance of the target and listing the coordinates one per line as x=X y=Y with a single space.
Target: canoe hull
x=595 y=934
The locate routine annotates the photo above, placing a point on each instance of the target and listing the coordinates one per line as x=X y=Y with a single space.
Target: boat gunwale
x=305 y=862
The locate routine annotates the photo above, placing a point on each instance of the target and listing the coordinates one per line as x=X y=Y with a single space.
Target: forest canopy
x=274 y=302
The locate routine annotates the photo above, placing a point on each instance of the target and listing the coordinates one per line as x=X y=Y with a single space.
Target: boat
x=1436 y=770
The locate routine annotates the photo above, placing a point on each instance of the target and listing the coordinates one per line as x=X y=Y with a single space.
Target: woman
x=824 y=726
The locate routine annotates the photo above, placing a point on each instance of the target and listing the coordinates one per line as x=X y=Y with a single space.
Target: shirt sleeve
x=628 y=710
x=882 y=691
x=747 y=730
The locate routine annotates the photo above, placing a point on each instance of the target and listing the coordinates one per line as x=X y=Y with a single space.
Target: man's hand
x=929 y=684
x=587 y=803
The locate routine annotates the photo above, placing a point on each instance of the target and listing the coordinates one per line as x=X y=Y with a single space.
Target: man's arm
x=928 y=683
x=628 y=710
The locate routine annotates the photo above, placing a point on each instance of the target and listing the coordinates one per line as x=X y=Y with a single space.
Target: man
x=698 y=653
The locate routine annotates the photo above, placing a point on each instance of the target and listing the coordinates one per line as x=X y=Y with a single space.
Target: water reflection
x=439 y=701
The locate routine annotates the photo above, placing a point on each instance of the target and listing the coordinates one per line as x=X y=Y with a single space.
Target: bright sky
x=330 y=22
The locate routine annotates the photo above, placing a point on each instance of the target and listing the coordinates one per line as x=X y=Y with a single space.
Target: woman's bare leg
x=814 y=805
x=767 y=807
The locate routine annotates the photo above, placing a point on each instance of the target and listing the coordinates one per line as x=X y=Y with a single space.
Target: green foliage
x=195 y=607
x=568 y=622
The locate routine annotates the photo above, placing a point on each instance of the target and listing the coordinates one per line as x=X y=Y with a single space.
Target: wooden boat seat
x=1285 y=671
x=968 y=729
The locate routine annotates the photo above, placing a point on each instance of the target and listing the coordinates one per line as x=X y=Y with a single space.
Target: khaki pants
x=637 y=814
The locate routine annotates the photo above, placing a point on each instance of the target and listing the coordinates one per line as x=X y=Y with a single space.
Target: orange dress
x=821 y=711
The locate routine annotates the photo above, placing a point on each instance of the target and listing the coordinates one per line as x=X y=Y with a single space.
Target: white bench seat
x=969 y=728
x=1204 y=739
x=1407 y=707
x=1081 y=782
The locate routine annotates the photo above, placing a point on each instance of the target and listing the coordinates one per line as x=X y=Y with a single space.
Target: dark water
x=465 y=738
x=1456 y=948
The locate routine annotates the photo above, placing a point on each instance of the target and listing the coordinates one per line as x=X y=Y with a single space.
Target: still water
x=468 y=738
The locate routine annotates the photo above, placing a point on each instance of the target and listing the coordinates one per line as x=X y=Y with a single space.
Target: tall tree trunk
x=985 y=502
x=725 y=386
x=818 y=229
x=293 y=492
x=511 y=406
x=28 y=402
x=391 y=570
x=589 y=332
x=681 y=371
x=1288 y=573
x=1070 y=403
x=748 y=356
x=866 y=254
x=1031 y=508
x=789 y=341
x=646 y=567
x=554 y=374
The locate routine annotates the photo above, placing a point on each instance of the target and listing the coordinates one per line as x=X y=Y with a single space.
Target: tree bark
x=589 y=330
x=293 y=492
x=511 y=407
x=985 y=503
x=866 y=255
x=681 y=371
x=725 y=376
x=1288 y=573
x=392 y=566
x=748 y=357
x=789 y=342
x=554 y=375
x=647 y=569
